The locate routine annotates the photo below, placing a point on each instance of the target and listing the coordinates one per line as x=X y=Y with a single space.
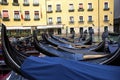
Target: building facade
x=58 y=16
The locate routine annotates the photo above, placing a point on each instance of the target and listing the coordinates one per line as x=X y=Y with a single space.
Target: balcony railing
x=80 y=9
x=91 y=9
x=25 y=4
x=71 y=22
x=16 y=19
x=90 y=20
x=71 y=10
x=15 y=4
x=106 y=9
x=58 y=10
x=4 y=3
x=106 y=20
x=80 y=21
x=6 y=19
x=36 y=19
x=59 y=22
x=35 y=4
x=50 y=23
x=26 y=19
x=50 y=11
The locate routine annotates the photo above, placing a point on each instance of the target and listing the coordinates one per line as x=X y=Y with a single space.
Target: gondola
x=55 y=68
x=49 y=50
x=98 y=48
x=87 y=42
x=54 y=42
x=61 y=49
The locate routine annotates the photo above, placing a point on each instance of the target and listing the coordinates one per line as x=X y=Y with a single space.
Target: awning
x=17 y=27
x=38 y=27
x=49 y=26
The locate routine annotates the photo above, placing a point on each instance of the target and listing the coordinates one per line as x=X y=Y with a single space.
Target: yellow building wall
x=65 y=14
x=21 y=8
x=110 y=14
x=98 y=19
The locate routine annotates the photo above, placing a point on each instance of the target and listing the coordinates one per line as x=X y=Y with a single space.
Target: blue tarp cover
x=113 y=47
x=49 y=68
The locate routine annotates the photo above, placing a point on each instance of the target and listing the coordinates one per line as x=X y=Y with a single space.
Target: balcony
x=15 y=4
x=36 y=19
x=80 y=21
x=16 y=19
x=50 y=11
x=91 y=9
x=26 y=19
x=58 y=10
x=71 y=22
x=6 y=19
x=106 y=20
x=35 y=4
x=80 y=9
x=90 y=21
x=50 y=23
x=106 y=9
x=4 y=3
x=71 y=10
x=25 y=4
x=59 y=22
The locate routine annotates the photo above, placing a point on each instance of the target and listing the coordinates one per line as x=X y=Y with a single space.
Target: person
x=105 y=35
x=91 y=32
x=73 y=34
x=85 y=35
x=81 y=36
x=105 y=38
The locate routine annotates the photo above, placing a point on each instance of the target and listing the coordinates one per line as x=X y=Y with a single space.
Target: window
x=5 y=15
x=71 y=8
x=27 y=15
x=80 y=7
x=71 y=19
x=16 y=15
x=71 y=30
x=26 y=3
x=50 y=21
x=105 y=28
x=58 y=19
x=106 y=6
x=59 y=31
x=35 y=2
x=4 y=2
x=89 y=18
x=36 y=15
x=90 y=7
x=49 y=8
x=105 y=17
x=81 y=30
x=58 y=8
x=15 y=3
x=81 y=18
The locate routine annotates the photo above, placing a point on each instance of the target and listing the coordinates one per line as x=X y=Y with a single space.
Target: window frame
x=90 y=19
x=16 y=13
x=36 y=15
x=27 y=15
